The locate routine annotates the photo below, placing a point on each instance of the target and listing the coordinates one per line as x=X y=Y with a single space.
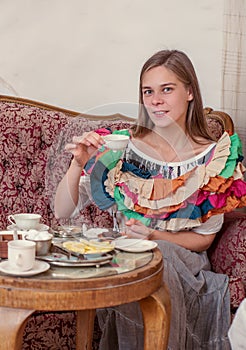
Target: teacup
x=25 y=221
x=21 y=255
x=116 y=141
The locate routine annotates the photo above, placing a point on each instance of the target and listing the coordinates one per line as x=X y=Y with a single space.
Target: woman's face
x=165 y=98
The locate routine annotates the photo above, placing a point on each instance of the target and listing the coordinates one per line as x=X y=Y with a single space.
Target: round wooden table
x=20 y=297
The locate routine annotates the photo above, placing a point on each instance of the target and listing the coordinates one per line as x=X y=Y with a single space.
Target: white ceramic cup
x=21 y=254
x=25 y=221
x=116 y=141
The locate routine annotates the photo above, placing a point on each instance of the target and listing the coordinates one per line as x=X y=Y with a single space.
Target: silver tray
x=59 y=259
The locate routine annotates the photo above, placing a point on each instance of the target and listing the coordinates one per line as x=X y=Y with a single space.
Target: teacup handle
x=11 y=219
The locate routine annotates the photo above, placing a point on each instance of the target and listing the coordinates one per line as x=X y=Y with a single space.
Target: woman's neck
x=173 y=135
x=169 y=146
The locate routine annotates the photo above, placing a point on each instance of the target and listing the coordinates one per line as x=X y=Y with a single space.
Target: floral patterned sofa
x=32 y=161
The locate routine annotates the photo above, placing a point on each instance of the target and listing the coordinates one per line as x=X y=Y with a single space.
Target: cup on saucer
x=25 y=221
x=21 y=255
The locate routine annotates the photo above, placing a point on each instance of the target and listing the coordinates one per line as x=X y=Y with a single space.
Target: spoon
x=15 y=235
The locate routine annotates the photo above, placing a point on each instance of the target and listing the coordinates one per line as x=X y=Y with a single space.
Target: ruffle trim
x=208 y=189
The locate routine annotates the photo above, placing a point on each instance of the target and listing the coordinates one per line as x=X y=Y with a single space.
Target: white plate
x=134 y=245
x=40 y=227
x=39 y=266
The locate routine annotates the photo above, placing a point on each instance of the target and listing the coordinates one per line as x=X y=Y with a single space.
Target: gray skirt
x=200 y=316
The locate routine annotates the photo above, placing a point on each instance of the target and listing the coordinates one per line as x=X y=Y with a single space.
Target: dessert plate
x=39 y=267
x=135 y=245
x=40 y=227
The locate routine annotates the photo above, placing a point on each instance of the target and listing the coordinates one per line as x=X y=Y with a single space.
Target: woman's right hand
x=84 y=147
x=136 y=229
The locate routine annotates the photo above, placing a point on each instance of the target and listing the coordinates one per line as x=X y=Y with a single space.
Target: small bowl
x=67 y=231
x=42 y=245
x=116 y=141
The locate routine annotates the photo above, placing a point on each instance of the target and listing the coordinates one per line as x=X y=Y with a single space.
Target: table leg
x=85 y=328
x=156 y=310
x=12 y=324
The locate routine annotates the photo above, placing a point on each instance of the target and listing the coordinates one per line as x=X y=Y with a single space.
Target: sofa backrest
x=31 y=135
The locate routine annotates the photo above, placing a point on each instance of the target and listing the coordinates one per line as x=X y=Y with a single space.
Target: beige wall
x=81 y=54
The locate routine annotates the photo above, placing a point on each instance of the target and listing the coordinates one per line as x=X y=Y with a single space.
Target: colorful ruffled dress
x=170 y=196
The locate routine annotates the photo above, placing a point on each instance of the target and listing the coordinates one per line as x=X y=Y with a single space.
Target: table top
x=119 y=262
x=122 y=262
x=81 y=288
x=64 y=267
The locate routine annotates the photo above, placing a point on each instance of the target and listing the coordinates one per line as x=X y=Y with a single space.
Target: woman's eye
x=167 y=89
x=147 y=92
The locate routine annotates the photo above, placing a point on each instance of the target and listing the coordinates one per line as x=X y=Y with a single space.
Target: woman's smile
x=159 y=113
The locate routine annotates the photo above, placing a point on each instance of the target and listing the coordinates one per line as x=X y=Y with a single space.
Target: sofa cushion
x=227 y=255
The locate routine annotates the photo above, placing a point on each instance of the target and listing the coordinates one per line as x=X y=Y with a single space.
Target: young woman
x=173 y=183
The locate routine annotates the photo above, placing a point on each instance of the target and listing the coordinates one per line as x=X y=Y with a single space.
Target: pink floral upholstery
x=57 y=332
x=227 y=255
x=32 y=141
x=26 y=134
x=44 y=331
x=32 y=161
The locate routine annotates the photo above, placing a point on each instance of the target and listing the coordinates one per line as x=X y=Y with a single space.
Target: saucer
x=39 y=266
x=40 y=227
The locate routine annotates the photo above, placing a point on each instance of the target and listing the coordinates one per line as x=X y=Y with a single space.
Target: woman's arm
x=67 y=193
x=187 y=239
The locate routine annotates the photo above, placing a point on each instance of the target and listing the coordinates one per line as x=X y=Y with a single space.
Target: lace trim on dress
x=166 y=170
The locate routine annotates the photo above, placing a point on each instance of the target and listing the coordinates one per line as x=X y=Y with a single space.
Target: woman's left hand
x=136 y=229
